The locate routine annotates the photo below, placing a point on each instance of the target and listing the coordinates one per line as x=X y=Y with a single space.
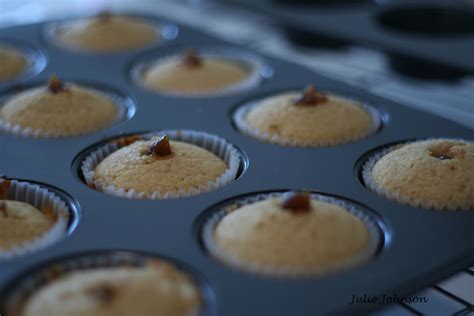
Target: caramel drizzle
x=311 y=97
x=297 y=202
x=55 y=85
x=160 y=147
x=191 y=59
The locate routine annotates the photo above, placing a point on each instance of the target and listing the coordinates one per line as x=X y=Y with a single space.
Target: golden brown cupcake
x=292 y=234
x=60 y=110
x=12 y=63
x=194 y=75
x=434 y=173
x=306 y=119
x=21 y=222
x=156 y=289
x=107 y=33
x=159 y=165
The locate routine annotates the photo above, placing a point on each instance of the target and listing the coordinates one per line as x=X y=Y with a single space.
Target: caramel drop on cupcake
x=49 y=212
x=191 y=59
x=103 y=293
x=55 y=85
x=3 y=208
x=311 y=97
x=297 y=202
x=160 y=147
x=4 y=186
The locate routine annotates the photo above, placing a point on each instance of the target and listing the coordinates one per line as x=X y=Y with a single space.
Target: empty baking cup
x=52 y=202
x=222 y=150
x=30 y=61
x=25 y=293
x=122 y=105
x=428 y=20
x=278 y=259
x=154 y=73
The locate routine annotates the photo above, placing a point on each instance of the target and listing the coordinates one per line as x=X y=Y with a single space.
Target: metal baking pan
x=420 y=246
x=435 y=37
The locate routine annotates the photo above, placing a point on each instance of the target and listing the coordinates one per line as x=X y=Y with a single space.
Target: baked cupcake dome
x=198 y=74
x=160 y=165
x=434 y=173
x=59 y=110
x=12 y=63
x=308 y=118
x=117 y=283
x=21 y=222
x=106 y=33
x=291 y=234
x=32 y=216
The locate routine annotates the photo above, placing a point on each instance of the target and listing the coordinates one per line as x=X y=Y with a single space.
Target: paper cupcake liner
x=241 y=113
x=247 y=60
x=38 y=197
x=121 y=103
x=21 y=290
x=210 y=224
x=212 y=143
x=370 y=183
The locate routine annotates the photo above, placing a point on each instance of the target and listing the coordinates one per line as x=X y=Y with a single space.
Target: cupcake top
x=107 y=33
x=193 y=74
x=295 y=234
x=436 y=173
x=12 y=63
x=308 y=119
x=21 y=222
x=159 y=165
x=60 y=110
x=156 y=289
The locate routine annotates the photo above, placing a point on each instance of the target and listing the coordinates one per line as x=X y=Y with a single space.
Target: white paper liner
x=18 y=130
x=214 y=144
x=23 y=289
x=247 y=60
x=241 y=113
x=376 y=239
x=38 y=197
x=372 y=185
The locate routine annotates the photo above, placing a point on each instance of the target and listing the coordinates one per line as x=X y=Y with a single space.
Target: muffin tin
x=423 y=38
x=419 y=246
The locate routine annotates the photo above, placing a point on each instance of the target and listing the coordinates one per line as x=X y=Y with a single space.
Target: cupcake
x=157 y=288
x=27 y=226
x=12 y=63
x=58 y=110
x=434 y=173
x=291 y=234
x=21 y=222
x=106 y=33
x=193 y=74
x=154 y=166
x=310 y=118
